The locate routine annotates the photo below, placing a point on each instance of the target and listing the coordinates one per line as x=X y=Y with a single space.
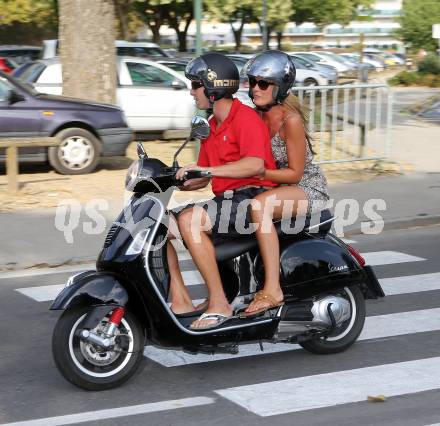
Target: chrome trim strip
x=164 y=303
x=319 y=224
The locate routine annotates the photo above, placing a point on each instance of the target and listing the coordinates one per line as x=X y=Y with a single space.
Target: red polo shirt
x=242 y=134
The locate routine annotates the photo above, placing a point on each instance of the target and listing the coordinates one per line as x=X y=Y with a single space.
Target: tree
x=87 y=49
x=153 y=15
x=279 y=13
x=235 y=13
x=178 y=14
x=28 y=21
x=416 y=23
x=323 y=13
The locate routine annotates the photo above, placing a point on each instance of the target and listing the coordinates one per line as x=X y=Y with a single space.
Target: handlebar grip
x=197 y=174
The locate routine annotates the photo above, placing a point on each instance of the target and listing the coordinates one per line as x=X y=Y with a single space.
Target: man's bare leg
x=196 y=237
x=180 y=300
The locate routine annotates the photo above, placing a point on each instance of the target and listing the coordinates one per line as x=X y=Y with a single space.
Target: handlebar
x=196 y=174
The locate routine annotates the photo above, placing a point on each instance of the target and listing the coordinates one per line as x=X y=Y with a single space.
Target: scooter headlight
x=132 y=175
x=136 y=172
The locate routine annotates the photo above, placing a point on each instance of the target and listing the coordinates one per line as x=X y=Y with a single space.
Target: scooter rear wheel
x=88 y=366
x=347 y=333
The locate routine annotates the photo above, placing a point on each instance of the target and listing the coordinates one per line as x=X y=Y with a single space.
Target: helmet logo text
x=226 y=83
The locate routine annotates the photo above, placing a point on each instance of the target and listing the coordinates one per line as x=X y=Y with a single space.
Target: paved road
x=398 y=354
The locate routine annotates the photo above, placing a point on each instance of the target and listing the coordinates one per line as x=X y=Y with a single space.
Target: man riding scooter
x=236 y=152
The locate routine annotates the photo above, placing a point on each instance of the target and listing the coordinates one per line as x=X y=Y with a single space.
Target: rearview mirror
x=178 y=84
x=15 y=97
x=199 y=127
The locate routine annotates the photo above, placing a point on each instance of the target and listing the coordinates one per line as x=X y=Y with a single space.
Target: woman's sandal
x=261 y=296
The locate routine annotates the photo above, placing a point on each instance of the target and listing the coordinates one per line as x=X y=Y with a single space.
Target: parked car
x=373 y=65
x=320 y=59
x=152 y=96
x=137 y=49
x=333 y=58
x=20 y=54
x=87 y=130
x=330 y=73
x=178 y=65
x=7 y=65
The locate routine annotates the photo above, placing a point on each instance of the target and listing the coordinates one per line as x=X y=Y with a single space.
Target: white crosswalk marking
x=191 y=278
x=376 y=327
x=410 y=284
x=341 y=387
x=113 y=413
x=377 y=258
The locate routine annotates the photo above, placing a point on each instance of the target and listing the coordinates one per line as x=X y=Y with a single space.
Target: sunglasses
x=196 y=85
x=262 y=84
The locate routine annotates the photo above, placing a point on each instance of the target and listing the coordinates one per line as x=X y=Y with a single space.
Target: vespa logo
x=337 y=268
x=226 y=83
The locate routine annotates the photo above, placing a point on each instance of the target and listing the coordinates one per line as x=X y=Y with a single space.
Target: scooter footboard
x=90 y=288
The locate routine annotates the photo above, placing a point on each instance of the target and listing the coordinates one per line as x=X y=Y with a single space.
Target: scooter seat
x=232 y=246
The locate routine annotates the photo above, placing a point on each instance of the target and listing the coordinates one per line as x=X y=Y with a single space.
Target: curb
x=415 y=222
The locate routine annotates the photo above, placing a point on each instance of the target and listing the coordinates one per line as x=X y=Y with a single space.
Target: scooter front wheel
x=89 y=366
x=346 y=333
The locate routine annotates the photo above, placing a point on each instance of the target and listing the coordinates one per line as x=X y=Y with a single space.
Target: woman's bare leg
x=272 y=203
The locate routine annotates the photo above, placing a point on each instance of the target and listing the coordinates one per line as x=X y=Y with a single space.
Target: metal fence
x=349 y=122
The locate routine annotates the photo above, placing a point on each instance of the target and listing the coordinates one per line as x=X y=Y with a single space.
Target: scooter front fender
x=91 y=288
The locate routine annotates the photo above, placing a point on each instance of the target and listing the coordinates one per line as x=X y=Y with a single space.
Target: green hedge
x=414 y=78
x=429 y=65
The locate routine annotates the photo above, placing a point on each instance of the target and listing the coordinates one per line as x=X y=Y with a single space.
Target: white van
x=139 y=49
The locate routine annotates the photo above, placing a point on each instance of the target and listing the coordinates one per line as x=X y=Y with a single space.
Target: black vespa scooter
x=110 y=314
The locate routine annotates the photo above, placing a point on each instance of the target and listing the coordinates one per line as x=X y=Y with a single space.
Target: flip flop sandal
x=220 y=318
x=197 y=312
x=261 y=296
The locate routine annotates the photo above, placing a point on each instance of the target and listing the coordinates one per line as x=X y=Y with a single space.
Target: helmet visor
x=196 y=69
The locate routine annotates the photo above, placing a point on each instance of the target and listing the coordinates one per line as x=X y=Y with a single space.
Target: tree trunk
x=279 y=39
x=87 y=49
x=155 y=30
x=122 y=16
x=237 y=35
x=181 y=34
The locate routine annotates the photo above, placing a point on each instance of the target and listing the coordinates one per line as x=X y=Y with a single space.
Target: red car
x=7 y=65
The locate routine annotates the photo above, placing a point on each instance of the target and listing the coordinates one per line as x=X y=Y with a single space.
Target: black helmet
x=217 y=72
x=274 y=66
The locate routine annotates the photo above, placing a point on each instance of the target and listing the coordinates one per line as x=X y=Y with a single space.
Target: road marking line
x=376 y=327
x=391 y=286
x=372 y=258
x=376 y=258
x=47 y=271
x=116 y=412
x=410 y=284
x=43 y=293
x=340 y=387
x=348 y=241
x=194 y=278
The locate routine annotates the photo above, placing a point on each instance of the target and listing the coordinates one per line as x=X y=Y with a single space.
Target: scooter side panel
x=314 y=266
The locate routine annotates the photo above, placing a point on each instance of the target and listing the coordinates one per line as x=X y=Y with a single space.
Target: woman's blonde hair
x=292 y=103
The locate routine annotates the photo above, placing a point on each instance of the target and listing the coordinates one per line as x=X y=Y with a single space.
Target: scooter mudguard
x=91 y=288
